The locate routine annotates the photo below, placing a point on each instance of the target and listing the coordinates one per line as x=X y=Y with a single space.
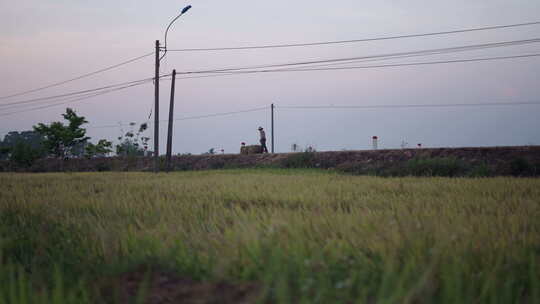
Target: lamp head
x=185 y=9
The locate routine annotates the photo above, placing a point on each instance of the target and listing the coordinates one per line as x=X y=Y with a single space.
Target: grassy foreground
x=299 y=236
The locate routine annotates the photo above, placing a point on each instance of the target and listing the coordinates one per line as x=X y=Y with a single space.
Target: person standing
x=263 y=140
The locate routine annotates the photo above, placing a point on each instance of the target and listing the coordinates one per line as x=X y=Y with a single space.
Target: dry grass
x=304 y=235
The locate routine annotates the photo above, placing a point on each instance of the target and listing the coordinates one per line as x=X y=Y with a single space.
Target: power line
x=333 y=60
x=388 y=58
x=78 y=98
x=298 y=70
x=76 y=78
x=88 y=93
x=307 y=69
x=354 y=40
x=338 y=107
x=73 y=99
x=19 y=106
x=192 y=117
x=384 y=65
x=221 y=114
x=33 y=100
x=313 y=107
x=330 y=61
x=415 y=105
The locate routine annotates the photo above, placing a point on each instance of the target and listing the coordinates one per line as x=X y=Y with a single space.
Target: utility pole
x=156 y=112
x=272 y=115
x=171 y=112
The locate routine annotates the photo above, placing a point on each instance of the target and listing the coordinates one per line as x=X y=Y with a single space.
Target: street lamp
x=184 y=10
x=156 y=90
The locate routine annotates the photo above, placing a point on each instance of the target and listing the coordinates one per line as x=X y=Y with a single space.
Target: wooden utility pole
x=272 y=115
x=170 y=131
x=156 y=112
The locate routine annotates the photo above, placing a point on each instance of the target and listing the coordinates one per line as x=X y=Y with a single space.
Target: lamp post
x=156 y=89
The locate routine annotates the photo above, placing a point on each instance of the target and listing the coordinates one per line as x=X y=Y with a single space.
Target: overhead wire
x=34 y=100
x=76 y=78
x=61 y=96
x=75 y=99
x=269 y=71
x=193 y=117
x=347 y=59
x=251 y=47
x=221 y=114
x=392 y=106
x=363 y=67
x=327 y=61
x=420 y=54
x=307 y=69
x=388 y=106
x=276 y=46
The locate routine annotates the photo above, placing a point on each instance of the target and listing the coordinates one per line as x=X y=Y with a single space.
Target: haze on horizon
x=45 y=42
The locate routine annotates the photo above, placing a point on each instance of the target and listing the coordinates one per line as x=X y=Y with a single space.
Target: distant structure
x=419 y=146
x=254 y=149
x=404 y=144
x=375 y=142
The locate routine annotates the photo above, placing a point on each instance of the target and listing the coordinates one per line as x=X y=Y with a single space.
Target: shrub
x=439 y=166
x=375 y=169
x=522 y=167
x=24 y=155
x=480 y=170
x=218 y=164
x=299 y=160
x=103 y=166
x=182 y=166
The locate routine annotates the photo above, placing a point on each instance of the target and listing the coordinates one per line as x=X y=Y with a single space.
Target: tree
x=22 y=147
x=23 y=154
x=32 y=138
x=211 y=151
x=101 y=149
x=61 y=140
x=133 y=143
x=4 y=152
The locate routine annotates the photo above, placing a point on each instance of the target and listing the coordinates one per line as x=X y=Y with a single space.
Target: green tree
x=23 y=154
x=101 y=149
x=4 y=152
x=22 y=147
x=133 y=143
x=61 y=140
x=32 y=138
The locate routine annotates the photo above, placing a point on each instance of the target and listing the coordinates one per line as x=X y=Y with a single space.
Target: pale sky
x=44 y=42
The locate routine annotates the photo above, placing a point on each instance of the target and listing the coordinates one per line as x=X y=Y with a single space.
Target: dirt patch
x=166 y=287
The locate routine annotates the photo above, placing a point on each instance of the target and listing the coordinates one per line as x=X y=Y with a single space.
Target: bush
x=439 y=166
x=299 y=160
x=24 y=155
x=522 y=167
x=103 y=166
x=480 y=170
x=218 y=164
x=182 y=166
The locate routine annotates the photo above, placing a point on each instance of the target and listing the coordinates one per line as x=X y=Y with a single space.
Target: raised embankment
x=481 y=161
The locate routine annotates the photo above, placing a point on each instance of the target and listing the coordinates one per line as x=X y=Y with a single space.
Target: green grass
x=306 y=236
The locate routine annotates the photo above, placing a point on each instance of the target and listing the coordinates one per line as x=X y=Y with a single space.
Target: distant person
x=263 y=140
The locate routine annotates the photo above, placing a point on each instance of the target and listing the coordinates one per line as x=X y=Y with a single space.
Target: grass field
x=267 y=236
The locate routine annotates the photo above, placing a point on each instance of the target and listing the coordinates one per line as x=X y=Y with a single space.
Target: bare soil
x=161 y=287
